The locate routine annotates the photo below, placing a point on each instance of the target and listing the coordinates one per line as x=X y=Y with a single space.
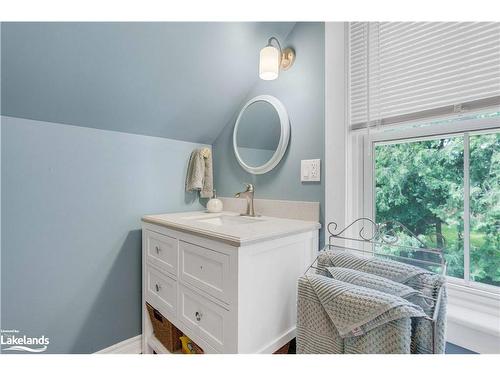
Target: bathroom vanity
x=229 y=282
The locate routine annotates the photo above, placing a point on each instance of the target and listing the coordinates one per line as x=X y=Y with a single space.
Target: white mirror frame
x=284 y=137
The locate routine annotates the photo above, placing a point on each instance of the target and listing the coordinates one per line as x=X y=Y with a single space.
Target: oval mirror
x=261 y=134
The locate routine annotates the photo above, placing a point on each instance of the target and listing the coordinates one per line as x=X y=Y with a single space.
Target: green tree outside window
x=421 y=185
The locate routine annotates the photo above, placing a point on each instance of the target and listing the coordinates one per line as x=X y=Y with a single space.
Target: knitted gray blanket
x=338 y=317
x=381 y=284
x=423 y=281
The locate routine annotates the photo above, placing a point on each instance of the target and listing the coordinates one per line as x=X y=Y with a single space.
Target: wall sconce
x=272 y=59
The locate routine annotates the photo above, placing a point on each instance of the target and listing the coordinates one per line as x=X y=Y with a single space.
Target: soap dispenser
x=214 y=204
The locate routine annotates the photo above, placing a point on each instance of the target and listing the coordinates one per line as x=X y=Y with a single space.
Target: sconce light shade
x=269 y=65
x=273 y=59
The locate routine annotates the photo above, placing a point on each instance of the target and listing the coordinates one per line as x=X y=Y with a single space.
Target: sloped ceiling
x=175 y=80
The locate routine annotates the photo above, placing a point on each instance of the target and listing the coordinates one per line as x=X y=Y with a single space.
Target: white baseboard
x=129 y=346
x=280 y=341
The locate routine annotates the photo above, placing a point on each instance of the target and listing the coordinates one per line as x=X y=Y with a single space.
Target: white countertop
x=237 y=234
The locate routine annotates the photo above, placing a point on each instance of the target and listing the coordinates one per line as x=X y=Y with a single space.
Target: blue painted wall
x=72 y=198
x=301 y=89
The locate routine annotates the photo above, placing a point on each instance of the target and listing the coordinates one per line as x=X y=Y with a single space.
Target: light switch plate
x=310 y=170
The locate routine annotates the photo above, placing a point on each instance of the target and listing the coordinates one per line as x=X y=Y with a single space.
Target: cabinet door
x=205 y=269
x=161 y=251
x=205 y=318
x=161 y=292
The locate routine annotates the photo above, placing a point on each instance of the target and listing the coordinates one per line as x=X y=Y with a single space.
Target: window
x=484 y=203
x=423 y=148
x=424 y=120
x=445 y=189
x=402 y=71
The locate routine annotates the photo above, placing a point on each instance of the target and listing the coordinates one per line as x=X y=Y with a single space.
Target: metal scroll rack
x=393 y=240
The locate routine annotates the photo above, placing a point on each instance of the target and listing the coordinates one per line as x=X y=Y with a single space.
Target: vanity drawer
x=161 y=292
x=204 y=318
x=206 y=269
x=161 y=251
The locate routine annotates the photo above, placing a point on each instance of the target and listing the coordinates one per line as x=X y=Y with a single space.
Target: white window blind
x=402 y=71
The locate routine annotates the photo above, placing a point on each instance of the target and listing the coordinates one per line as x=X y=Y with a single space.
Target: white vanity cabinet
x=227 y=295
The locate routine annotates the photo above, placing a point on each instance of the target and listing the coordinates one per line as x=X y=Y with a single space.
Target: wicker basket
x=165 y=332
x=284 y=349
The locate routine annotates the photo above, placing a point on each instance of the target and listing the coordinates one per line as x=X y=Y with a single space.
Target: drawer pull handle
x=157 y=287
x=157 y=249
x=198 y=316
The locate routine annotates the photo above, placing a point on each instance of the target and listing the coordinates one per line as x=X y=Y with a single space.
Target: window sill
x=464 y=296
x=473 y=318
x=473 y=287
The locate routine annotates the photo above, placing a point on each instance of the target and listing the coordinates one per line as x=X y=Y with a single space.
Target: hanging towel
x=390 y=269
x=422 y=339
x=379 y=283
x=427 y=283
x=199 y=175
x=338 y=317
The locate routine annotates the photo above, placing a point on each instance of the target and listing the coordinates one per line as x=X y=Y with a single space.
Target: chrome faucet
x=248 y=194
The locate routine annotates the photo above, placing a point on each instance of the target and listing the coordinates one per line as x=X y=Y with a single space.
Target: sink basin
x=226 y=220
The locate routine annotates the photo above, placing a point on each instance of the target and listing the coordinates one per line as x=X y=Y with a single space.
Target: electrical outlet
x=315 y=174
x=310 y=170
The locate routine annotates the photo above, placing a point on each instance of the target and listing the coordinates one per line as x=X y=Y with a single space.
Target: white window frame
x=473 y=307
x=465 y=129
x=473 y=314
x=336 y=133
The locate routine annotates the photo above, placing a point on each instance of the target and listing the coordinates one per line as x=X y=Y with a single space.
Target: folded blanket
x=381 y=284
x=424 y=281
x=338 y=317
x=396 y=271
x=422 y=331
x=354 y=309
x=418 y=278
